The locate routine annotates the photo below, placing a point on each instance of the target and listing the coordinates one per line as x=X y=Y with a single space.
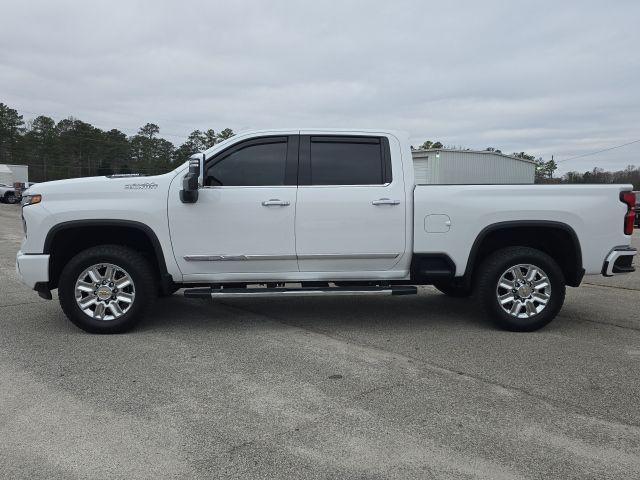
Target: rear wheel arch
x=517 y=301
x=62 y=244
x=557 y=239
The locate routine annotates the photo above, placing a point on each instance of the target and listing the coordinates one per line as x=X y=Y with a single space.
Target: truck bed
x=449 y=218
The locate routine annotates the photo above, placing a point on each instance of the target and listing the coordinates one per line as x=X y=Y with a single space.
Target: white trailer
x=12 y=174
x=464 y=167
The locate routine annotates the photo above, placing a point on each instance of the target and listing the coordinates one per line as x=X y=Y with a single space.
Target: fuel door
x=437 y=223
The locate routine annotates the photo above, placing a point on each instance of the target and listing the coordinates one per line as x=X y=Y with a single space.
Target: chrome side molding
x=235 y=258
x=313 y=256
x=348 y=256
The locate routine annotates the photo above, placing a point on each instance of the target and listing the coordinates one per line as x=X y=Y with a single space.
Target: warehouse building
x=444 y=166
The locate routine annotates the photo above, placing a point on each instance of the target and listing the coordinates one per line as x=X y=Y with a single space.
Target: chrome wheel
x=523 y=290
x=104 y=291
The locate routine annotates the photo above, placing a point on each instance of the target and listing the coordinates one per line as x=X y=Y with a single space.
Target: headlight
x=31 y=199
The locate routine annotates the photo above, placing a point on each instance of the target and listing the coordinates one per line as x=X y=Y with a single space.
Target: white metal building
x=10 y=174
x=443 y=166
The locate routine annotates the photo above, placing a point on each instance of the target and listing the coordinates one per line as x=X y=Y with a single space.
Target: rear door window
x=346 y=160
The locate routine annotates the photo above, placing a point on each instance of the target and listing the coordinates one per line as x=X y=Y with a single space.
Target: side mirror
x=192 y=180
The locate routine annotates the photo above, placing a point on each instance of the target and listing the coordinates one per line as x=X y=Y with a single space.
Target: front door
x=351 y=207
x=243 y=221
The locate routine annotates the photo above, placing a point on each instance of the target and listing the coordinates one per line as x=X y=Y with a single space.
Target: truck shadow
x=429 y=310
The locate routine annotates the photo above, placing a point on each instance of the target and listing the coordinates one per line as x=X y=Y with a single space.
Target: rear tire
x=520 y=288
x=11 y=198
x=109 y=309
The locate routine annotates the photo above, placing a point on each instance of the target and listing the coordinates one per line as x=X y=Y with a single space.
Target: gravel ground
x=383 y=387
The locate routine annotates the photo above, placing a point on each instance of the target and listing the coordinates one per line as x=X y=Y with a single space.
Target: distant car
x=8 y=194
x=637 y=209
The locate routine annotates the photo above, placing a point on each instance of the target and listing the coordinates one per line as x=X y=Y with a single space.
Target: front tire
x=520 y=288
x=11 y=198
x=106 y=289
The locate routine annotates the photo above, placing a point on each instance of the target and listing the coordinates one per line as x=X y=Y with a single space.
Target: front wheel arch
x=142 y=274
x=67 y=239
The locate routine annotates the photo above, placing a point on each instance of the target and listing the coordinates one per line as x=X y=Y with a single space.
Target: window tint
x=253 y=165
x=345 y=162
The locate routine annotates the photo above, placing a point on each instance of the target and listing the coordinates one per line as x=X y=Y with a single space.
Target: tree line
x=631 y=174
x=73 y=148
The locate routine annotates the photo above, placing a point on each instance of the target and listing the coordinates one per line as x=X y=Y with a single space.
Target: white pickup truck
x=315 y=212
x=8 y=194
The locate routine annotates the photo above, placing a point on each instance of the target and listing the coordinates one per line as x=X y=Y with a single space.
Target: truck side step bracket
x=298 y=292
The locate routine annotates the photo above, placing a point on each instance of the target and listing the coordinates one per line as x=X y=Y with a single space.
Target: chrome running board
x=297 y=292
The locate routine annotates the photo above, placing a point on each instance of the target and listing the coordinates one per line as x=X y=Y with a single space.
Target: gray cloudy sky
x=547 y=77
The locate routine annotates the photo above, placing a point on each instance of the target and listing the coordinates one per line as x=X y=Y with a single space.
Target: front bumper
x=32 y=269
x=619 y=260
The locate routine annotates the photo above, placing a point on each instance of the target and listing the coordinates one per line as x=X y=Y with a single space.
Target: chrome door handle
x=274 y=202
x=385 y=201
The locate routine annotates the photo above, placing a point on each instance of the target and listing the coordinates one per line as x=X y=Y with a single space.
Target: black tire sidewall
x=493 y=268
x=134 y=264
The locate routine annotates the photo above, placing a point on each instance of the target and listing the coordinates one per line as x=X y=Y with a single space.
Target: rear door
x=350 y=212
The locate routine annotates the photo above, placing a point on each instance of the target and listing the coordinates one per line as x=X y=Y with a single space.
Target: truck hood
x=105 y=188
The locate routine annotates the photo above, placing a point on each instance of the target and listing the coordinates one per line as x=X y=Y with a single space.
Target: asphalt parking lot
x=383 y=387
